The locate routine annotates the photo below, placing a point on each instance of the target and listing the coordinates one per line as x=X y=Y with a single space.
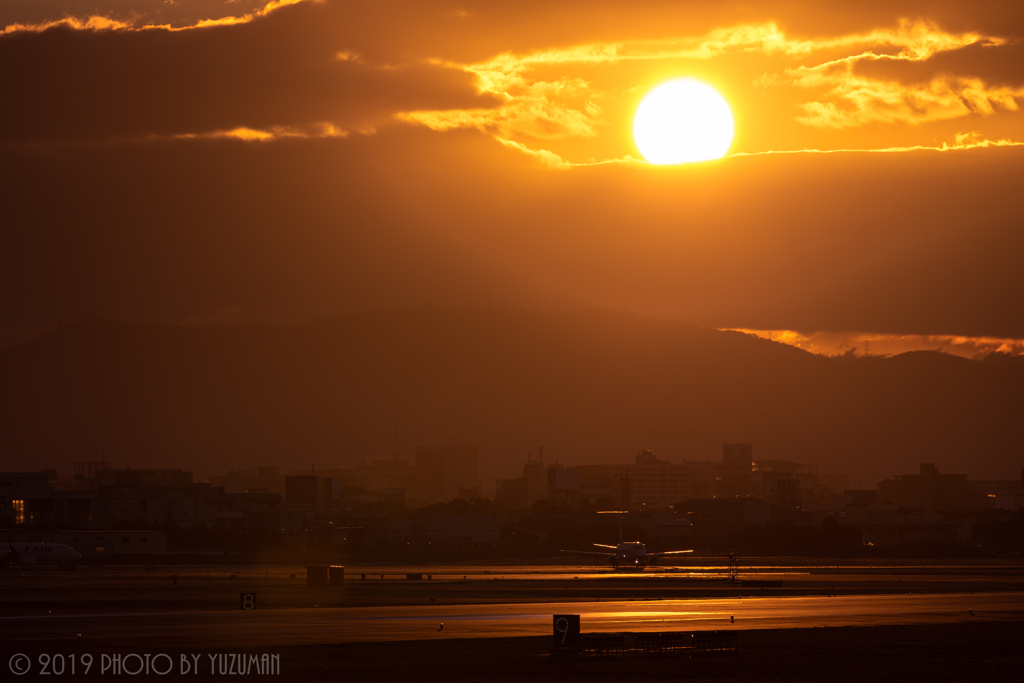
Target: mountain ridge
x=591 y=386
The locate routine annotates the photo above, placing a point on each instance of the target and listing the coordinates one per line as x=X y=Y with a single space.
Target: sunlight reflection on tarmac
x=419 y=622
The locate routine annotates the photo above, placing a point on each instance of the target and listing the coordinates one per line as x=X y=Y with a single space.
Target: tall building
x=522 y=492
x=535 y=478
x=788 y=494
x=703 y=478
x=441 y=469
x=658 y=482
x=737 y=459
x=302 y=491
x=737 y=465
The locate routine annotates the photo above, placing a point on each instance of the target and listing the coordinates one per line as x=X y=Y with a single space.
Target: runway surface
x=212 y=629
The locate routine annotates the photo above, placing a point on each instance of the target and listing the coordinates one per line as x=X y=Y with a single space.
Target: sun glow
x=683 y=121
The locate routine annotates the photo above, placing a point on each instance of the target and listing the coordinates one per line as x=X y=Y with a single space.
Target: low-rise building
x=931 y=490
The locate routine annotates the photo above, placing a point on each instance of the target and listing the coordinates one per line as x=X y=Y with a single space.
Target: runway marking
x=111 y=614
x=408 y=622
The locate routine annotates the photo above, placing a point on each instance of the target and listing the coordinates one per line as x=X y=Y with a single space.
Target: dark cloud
x=996 y=65
x=281 y=70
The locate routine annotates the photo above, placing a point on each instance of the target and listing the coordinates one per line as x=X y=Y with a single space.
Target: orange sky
x=216 y=161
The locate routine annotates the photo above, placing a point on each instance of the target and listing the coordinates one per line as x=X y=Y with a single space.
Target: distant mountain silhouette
x=591 y=386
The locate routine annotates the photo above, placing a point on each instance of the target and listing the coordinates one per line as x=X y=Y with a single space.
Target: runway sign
x=336 y=575
x=247 y=601
x=566 y=630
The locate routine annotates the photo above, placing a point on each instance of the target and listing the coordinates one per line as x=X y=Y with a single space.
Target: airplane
x=27 y=554
x=631 y=555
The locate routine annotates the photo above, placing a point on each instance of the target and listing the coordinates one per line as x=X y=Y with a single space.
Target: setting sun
x=682 y=121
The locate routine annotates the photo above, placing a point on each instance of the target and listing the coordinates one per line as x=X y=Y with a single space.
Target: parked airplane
x=27 y=554
x=631 y=555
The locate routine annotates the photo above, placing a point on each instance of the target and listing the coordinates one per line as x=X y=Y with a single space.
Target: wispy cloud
x=855 y=100
x=536 y=109
x=868 y=343
x=321 y=130
x=961 y=141
x=135 y=23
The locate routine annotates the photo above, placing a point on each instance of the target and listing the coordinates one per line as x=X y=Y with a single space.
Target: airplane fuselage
x=631 y=555
x=30 y=553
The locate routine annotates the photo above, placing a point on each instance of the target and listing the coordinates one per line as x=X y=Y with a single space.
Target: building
x=659 y=483
x=704 y=478
x=148 y=499
x=535 y=477
x=537 y=483
x=563 y=485
x=788 y=494
x=788 y=484
x=25 y=498
x=860 y=497
x=931 y=490
x=1005 y=494
x=390 y=476
x=737 y=466
x=442 y=468
x=302 y=491
x=266 y=479
x=646 y=482
x=171 y=478
x=609 y=486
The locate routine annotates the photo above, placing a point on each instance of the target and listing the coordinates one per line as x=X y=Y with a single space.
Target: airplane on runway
x=627 y=554
x=27 y=554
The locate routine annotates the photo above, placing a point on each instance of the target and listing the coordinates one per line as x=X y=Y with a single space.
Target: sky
x=209 y=162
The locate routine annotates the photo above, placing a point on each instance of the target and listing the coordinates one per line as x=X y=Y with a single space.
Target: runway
x=280 y=627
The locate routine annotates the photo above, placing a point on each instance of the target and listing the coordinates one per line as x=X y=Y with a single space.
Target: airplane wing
x=587 y=552
x=670 y=552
